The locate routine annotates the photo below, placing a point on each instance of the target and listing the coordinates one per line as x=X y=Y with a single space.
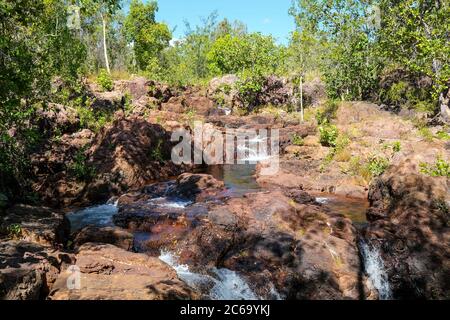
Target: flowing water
x=99 y=216
x=224 y=284
x=374 y=267
x=352 y=208
x=221 y=284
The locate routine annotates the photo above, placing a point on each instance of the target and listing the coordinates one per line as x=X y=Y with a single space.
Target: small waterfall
x=374 y=267
x=99 y=216
x=224 y=285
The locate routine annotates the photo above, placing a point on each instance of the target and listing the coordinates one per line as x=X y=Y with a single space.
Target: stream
x=224 y=284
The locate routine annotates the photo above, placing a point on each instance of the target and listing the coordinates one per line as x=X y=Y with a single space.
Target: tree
x=347 y=42
x=235 y=54
x=415 y=34
x=147 y=36
x=104 y=9
x=35 y=45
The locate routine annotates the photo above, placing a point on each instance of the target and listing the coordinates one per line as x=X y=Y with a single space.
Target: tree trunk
x=444 y=104
x=105 y=49
x=302 y=113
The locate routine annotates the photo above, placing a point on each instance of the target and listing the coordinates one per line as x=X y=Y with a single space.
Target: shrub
x=297 y=140
x=440 y=168
x=79 y=167
x=105 y=81
x=328 y=112
x=328 y=135
x=249 y=88
x=377 y=165
x=14 y=230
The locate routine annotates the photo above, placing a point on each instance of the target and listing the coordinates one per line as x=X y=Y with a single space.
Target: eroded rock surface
x=111 y=273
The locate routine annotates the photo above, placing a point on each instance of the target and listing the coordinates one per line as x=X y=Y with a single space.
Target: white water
x=226 y=284
x=374 y=267
x=322 y=200
x=253 y=155
x=99 y=216
x=166 y=203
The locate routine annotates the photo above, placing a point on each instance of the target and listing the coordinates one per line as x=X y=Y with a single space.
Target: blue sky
x=266 y=16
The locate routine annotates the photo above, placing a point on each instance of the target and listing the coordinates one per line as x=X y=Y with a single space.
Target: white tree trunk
x=302 y=112
x=444 y=103
x=105 y=49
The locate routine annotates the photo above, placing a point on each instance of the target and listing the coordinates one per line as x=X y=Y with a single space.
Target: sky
x=265 y=16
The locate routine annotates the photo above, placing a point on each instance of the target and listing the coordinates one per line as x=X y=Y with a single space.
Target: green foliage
x=79 y=166
x=415 y=35
x=249 y=88
x=377 y=165
x=157 y=154
x=440 y=168
x=328 y=135
x=14 y=230
x=235 y=54
x=443 y=135
x=297 y=140
x=328 y=112
x=105 y=81
x=149 y=37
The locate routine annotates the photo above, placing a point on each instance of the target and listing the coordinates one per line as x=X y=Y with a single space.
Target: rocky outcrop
x=28 y=270
x=107 y=235
x=35 y=224
x=110 y=273
x=409 y=225
x=305 y=251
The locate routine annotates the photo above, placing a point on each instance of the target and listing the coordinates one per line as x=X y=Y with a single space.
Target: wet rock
x=28 y=270
x=36 y=224
x=108 y=235
x=410 y=227
x=111 y=273
x=196 y=186
x=305 y=251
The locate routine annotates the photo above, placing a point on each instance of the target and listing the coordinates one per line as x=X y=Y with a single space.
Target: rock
x=3 y=201
x=108 y=235
x=37 y=224
x=196 y=186
x=303 y=250
x=57 y=117
x=28 y=270
x=137 y=87
x=409 y=226
x=111 y=273
x=293 y=150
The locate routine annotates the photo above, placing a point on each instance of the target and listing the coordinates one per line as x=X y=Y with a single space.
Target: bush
x=249 y=88
x=328 y=135
x=297 y=140
x=105 y=81
x=377 y=165
x=79 y=167
x=328 y=112
x=440 y=168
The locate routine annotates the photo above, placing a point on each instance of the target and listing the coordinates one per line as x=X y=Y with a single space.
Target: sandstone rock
x=305 y=251
x=196 y=186
x=410 y=227
x=110 y=273
x=28 y=270
x=58 y=117
x=108 y=235
x=37 y=224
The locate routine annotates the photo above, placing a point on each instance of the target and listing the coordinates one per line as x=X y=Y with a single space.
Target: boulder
x=36 y=224
x=303 y=251
x=409 y=226
x=111 y=273
x=108 y=235
x=28 y=270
